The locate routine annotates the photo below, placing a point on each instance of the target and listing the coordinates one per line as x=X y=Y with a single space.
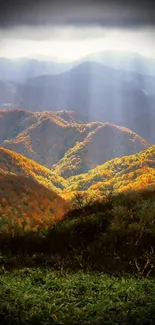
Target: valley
x=63 y=156
x=77 y=190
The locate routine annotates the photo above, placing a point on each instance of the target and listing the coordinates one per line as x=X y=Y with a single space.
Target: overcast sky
x=67 y=30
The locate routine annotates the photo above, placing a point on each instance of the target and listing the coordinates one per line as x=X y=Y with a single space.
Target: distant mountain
x=98 y=93
x=9 y=95
x=94 y=91
x=19 y=70
x=124 y=60
x=61 y=139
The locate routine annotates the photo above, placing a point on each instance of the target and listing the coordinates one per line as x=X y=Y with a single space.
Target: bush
x=116 y=236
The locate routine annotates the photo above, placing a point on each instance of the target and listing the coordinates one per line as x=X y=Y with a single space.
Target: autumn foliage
x=133 y=172
x=25 y=205
x=63 y=143
x=32 y=196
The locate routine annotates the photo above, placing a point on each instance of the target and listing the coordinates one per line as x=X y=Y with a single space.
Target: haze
x=69 y=43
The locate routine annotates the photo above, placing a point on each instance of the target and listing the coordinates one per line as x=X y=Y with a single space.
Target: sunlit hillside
x=27 y=205
x=103 y=141
x=126 y=173
x=14 y=163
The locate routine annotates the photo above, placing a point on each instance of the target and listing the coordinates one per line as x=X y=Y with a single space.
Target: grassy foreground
x=39 y=296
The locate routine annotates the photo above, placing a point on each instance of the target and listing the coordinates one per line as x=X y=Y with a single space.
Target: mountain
x=124 y=60
x=9 y=96
x=61 y=139
x=19 y=70
x=96 y=92
x=103 y=143
x=43 y=137
x=126 y=173
x=29 y=192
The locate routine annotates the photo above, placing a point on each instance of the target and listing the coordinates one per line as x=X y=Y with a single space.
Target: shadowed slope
x=105 y=142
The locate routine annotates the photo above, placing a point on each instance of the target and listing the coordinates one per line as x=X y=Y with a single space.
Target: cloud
x=64 y=33
x=29 y=24
x=71 y=42
x=126 y=14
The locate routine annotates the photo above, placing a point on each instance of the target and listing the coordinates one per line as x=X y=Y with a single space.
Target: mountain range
x=67 y=156
x=93 y=90
x=58 y=147
x=65 y=128
x=21 y=69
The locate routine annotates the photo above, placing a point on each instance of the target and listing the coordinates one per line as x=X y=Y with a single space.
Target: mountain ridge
x=47 y=137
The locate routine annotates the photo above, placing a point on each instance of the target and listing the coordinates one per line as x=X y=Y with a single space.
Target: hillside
x=43 y=137
x=28 y=198
x=57 y=139
x=28 y=194
x=13 y=163
x=121 y=174
x=102 y=144
x=27 y=205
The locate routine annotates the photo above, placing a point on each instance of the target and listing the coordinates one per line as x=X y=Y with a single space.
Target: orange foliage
x=32 y=206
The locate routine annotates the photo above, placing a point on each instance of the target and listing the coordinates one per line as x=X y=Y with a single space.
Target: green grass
x=36 y=296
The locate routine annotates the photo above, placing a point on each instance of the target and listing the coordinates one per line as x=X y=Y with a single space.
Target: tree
x=80 y=201
x=107 y=192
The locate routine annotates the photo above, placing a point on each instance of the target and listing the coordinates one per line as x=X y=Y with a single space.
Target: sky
x=68 y=30
x=67 y=43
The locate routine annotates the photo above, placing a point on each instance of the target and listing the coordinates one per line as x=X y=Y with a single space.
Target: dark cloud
x=106 y=13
